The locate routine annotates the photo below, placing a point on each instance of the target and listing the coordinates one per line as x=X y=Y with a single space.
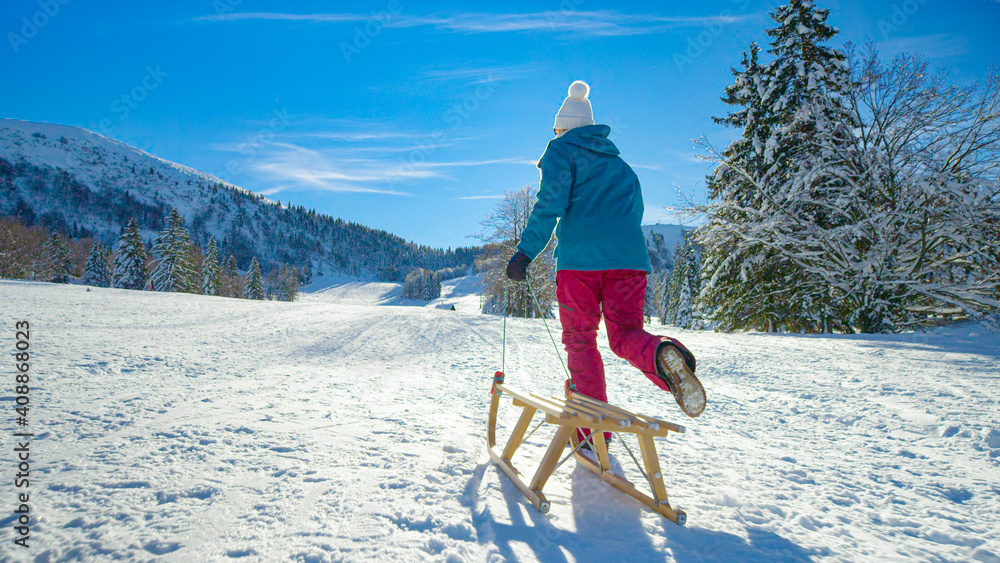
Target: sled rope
x=506 y=309
x=503 y=346
x=531 y=290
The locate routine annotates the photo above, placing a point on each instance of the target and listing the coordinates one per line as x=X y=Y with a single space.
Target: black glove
x=517 y=268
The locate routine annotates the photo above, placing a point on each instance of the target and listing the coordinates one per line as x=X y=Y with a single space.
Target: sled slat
x=648 y=420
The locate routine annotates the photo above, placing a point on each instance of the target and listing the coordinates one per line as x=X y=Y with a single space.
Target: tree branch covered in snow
x=501 y=234
x=872 y=206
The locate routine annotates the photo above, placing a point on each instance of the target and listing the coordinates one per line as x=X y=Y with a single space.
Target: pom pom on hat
x=575 y=110
x=579 y=90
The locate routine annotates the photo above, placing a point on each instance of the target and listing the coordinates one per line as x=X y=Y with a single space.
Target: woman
x=592 y=199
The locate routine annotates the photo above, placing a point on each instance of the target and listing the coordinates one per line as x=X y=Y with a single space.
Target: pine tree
x=56 y=260
x=98 y=272
x=130 y=260
x=255 y=283
x=173 y=270
x=211 y=271
x=766 y=184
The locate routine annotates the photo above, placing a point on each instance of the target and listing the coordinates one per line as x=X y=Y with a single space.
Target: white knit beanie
x=575 y=110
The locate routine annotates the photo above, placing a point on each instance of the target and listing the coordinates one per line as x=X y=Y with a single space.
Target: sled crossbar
x=580 y=411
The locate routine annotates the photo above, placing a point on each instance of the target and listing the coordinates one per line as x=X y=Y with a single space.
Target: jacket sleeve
x=553 y=198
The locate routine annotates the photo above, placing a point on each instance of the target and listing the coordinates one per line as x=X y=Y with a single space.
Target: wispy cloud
x=655 y=167
x=284 y=166
x=482 y=75
x=496 y=196
x=603 y=23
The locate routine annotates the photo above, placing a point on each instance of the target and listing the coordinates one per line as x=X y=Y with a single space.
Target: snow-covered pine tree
x=173 y=270
x=211 y=271
x=255 y=283
x=686 y=285
x=276 y=288
x=130 y=260
x=654 y=290
x=56 y=263
x=766 y=185
x=98 y=272
x=741 y=273
x=432 y=287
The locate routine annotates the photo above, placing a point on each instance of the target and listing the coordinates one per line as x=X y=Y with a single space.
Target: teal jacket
x=595 y=198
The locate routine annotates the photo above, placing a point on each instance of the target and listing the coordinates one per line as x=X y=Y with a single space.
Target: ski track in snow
x=183 y=428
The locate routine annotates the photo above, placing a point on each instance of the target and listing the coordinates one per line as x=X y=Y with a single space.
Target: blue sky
x=415 y=117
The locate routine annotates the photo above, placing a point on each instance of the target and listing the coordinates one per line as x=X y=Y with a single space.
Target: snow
x=18 y=140
x=349 y=426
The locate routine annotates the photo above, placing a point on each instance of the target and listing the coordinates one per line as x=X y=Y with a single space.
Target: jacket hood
x=590 y=137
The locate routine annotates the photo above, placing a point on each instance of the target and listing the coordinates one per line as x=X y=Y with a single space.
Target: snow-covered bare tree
x=916 y=221
x=501 y=234
x=422 y=284
x=232 y=281
x=130 y=260
x=173 y=270
x=20 y=248
x=98 y=272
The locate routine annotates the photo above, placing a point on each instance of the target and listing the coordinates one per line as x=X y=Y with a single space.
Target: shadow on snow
x=609 y=527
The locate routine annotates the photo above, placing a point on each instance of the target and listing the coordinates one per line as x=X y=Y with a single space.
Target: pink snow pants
x=620 y=295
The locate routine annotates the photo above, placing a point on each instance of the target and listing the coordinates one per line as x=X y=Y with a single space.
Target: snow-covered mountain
x=73 y=180
x=661 y=240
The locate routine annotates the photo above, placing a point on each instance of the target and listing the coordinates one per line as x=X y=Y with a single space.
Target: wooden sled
x=580 y=411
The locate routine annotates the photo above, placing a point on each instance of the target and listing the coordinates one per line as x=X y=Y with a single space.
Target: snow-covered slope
x=208 y=429
x=70 y=179
x=461 y=293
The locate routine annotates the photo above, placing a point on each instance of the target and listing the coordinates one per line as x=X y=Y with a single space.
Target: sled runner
x=580 y=411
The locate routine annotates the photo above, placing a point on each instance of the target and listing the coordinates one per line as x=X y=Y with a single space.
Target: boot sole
x=687 y=390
